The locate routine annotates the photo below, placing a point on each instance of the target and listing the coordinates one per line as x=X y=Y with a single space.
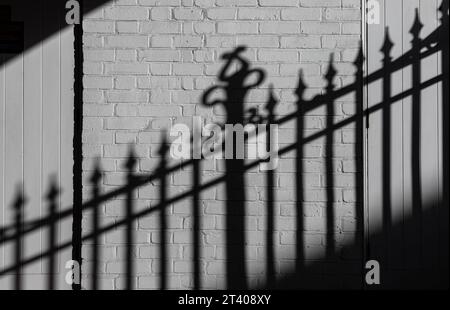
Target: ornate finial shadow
x=235 y=84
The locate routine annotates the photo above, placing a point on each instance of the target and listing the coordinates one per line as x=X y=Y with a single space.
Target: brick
x=187 y=14
x=160 y=13
x=320 y=3
x=126 y=13
x=126 y=41
x=188 y=41
x=277 y=27
x=342 y=14
x=98 y=55
x=301 y=14
x=237 y=27
x=236 y=2
x=258 y=14
x=127 y=26
x=278 y=55
x=320 y=28
x=160 y=55
x=160 y=27
x=301 y=42
x=126 y=123
x=221 y=13
x=278 y=3
x=98 y=26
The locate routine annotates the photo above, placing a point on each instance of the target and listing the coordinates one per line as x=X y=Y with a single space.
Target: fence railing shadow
x=235 y=80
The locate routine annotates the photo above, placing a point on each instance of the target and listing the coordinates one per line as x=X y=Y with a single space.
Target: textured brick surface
x=147 y=63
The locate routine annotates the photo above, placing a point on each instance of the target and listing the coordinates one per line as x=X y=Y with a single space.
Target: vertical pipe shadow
x=77 y=170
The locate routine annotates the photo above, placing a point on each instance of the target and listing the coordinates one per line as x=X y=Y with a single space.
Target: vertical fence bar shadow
x=271 y=198
x=95 y=182
x=415 y=236
x=18 y=207
x=299 y=242
x=329 y=156
x=163 y=213
x=129 y=230
x=196 y=183
x=386 y=151
x=52 y=196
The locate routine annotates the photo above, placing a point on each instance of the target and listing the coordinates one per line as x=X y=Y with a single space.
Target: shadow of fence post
x=129 y=236
x=95 y=182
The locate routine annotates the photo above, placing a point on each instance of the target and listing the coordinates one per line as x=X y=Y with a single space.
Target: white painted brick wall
x=147 y=62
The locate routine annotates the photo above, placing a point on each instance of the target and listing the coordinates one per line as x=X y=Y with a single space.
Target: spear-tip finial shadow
x=331 y=73
x=53 y=191
x=272 y=102
x=301 y=86
x=97 y=173
x=164 y=148
x=417 y=26
x=359 y=59
x=131 y=162
x=20 y=199
x=387 y=44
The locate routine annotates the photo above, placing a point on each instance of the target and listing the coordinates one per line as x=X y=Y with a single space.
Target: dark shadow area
x=319 y=274
x=339 y=267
